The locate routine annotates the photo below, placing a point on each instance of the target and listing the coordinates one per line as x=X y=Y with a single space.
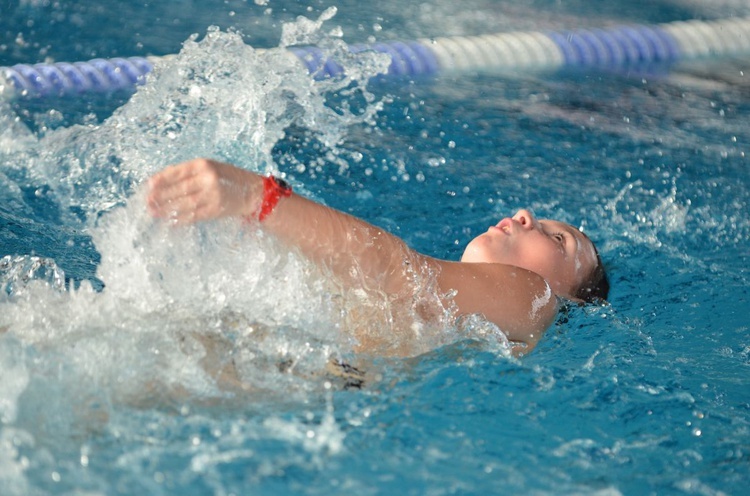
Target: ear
x=573 y=299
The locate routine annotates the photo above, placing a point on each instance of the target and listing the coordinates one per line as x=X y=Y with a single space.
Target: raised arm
x=518 y=301
x=202 y=189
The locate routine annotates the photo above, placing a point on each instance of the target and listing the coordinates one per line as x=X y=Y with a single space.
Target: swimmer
x=513 y=274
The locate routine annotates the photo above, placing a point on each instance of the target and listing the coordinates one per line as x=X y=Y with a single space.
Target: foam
x=188 y=315
x=540 y=301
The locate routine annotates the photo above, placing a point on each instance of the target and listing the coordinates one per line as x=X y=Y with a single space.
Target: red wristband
x=273 y=189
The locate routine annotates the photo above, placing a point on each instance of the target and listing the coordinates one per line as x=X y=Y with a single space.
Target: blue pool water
x=106 y=314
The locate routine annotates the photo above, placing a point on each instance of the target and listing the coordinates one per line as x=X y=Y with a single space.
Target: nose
x=525 y=218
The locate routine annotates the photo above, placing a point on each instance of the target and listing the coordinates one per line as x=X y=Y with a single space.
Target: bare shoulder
x=517 y=300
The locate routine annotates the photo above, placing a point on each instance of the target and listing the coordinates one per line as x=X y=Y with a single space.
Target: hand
x=203 y=189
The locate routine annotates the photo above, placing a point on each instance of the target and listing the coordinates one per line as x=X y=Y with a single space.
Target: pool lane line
x=618 y=47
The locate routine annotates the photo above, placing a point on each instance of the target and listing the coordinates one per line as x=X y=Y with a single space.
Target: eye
x=559 y=237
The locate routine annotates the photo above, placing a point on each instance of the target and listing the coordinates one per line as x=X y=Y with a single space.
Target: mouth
x=504 y=225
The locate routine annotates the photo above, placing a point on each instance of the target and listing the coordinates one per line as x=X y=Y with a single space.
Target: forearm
x=352 y=249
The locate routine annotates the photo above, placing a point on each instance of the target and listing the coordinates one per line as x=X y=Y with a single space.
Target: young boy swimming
x=512 y=274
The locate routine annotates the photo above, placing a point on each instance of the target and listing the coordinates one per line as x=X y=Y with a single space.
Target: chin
x=477 y=251
x=477 y=258
x=472 y=254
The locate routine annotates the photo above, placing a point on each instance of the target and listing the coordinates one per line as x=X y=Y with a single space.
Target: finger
x=201 y=184
x=190 y=186
x=202 y=212
x=173 y=206
x=174 y=175
x=186 y=169
x=188 y=208
x=199 y=214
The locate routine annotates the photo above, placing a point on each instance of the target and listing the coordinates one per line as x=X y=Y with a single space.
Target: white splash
x=540 y=301
x=195 y=314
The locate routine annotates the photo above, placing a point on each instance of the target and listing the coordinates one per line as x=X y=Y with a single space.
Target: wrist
x=270 y=190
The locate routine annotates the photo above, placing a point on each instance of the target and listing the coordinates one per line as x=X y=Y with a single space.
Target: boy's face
x=557 y=251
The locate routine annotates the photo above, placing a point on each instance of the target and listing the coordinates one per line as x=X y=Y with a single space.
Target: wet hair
x=595 y=288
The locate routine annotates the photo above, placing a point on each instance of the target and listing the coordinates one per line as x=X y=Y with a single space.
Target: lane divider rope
x=614 y=47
